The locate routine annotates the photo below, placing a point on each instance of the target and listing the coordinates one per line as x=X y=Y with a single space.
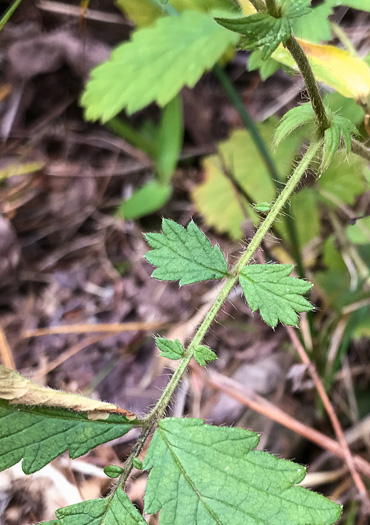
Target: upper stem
x=312 y=89
x=158 y=411
x=360 y=149
x=280 y=202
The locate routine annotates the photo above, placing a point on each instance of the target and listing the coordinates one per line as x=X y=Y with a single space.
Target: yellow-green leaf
x=240 y=157
x=335 y=67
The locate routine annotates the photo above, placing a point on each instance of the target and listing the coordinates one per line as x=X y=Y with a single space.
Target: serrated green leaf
x=268 y=288
x=345 y=107
x=39 y=434
x=340 y=128
x=293 y=119
x=114 y=510
x=147 y=199
x=156 y=64
x=170 y=349
x=170 y=137
x=184 y=255
x=262 y=29
x=211 y=475
x=202 y=354
x=331 y=144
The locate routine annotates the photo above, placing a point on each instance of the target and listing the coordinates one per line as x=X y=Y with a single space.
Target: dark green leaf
x=170 y=349
x=184 y=254
x=39 y=434
x=208 y=475
x=268 y=288
x=202 y=354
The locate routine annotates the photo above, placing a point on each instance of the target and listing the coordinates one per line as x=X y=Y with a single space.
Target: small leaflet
x=262 y=29
x=117 y=509
x=184 y=254
x=202 y=354
x=268 y=288
x=170 y=349
x=113 y=471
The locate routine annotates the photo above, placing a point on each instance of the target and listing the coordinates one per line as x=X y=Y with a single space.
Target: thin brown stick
x=93 y=328
x=266 y=408
x=6 y=352
x=347 y=454
x=72 y=351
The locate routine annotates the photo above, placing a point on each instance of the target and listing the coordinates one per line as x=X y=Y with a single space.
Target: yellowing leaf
x=335 y=67
x=22 y=391
x=145 y=12
x=247 y=7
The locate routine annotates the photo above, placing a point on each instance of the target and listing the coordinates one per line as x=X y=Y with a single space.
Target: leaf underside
x=204 y=475
x=268 y=288
x=39 y=434
x=184 y=255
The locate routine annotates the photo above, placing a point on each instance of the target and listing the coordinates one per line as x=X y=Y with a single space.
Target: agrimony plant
x=198 y=474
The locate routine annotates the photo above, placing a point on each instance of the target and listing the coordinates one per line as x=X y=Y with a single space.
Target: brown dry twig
x=347 y=454
x=257 y=403
x=94 y=328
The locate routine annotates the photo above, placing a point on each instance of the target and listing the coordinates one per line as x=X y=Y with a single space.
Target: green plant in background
x=198 y=474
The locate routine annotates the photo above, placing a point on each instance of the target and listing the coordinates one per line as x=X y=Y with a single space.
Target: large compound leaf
x=268 y=288
x=184 y=255
x=114 y=510
x=207 y=475
x=39 y=434
x=156 y=64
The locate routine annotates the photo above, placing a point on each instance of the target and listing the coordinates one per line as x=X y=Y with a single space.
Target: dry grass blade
x=93 y=328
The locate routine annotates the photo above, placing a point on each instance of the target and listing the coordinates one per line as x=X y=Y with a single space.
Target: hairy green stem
x=250 y=125
x=360 y=149
x=312 y=89
x=279 y=204
x=151 y=420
